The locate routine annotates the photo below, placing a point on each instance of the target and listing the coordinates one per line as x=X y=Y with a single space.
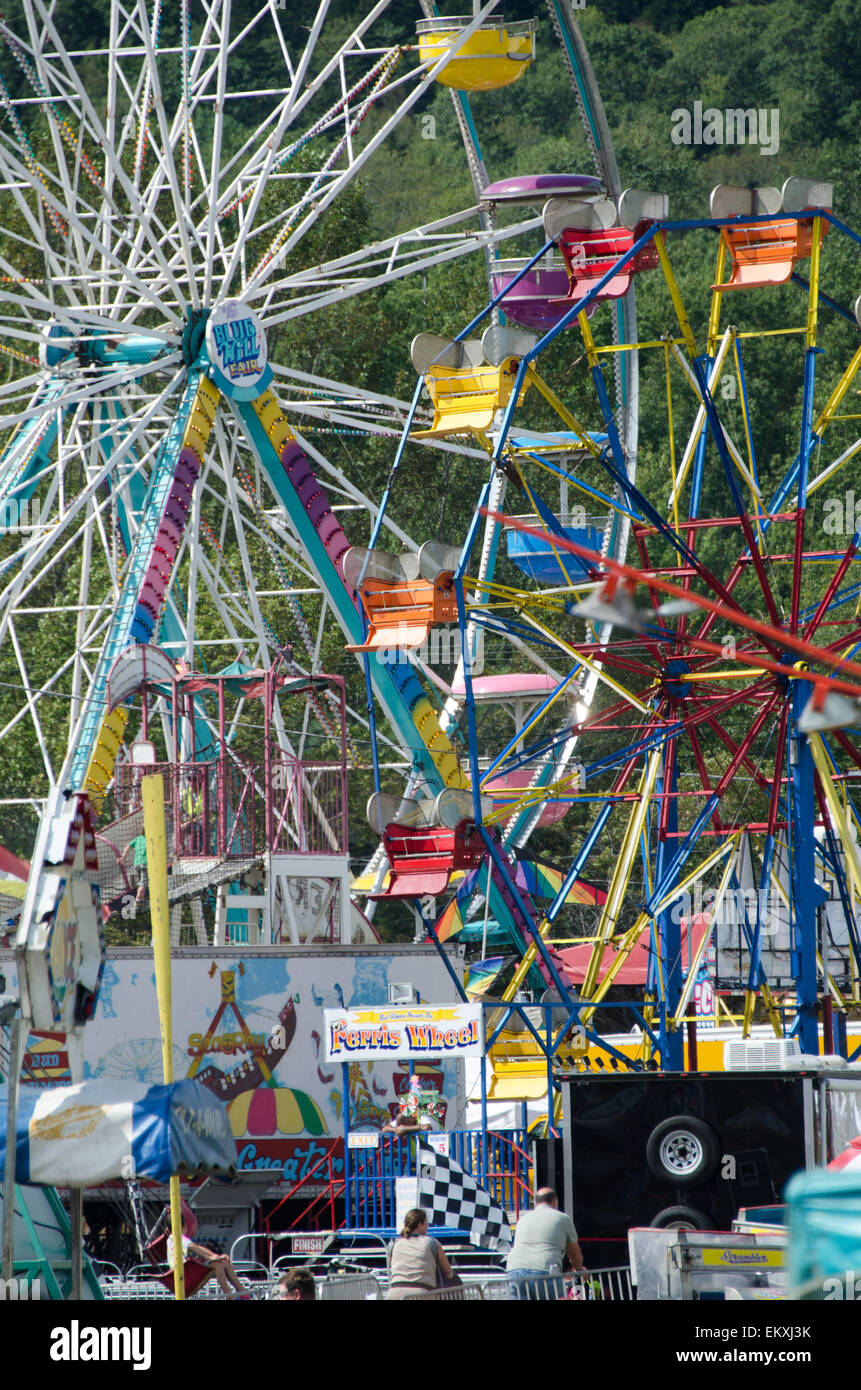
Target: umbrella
x=12 y=893
x=483 y=973
x=575 y=959
x=81 y=1136
x=850 y=1159
x=275 y=1110
x=543 y=881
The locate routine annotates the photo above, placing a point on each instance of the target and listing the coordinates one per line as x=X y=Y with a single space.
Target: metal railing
x=498 y=1160
x=599 y=1285
x=464 y=1293
x=233 y=808
x=351 y=1287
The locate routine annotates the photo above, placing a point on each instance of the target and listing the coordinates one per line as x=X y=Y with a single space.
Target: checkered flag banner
x=452 y=1198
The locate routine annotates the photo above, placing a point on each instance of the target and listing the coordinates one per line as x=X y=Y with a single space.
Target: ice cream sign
x=236 y=348
x=433 y=1030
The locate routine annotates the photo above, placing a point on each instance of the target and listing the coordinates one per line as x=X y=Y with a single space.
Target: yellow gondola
x=495 y=55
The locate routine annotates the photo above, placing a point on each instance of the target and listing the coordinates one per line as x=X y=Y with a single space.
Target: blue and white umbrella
x=81 y=1136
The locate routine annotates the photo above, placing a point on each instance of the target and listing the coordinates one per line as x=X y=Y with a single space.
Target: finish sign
x=236 y=348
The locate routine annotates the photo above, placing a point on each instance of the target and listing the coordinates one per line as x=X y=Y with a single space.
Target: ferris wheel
x=164 y=192
x=162 y=236
x=719 y=754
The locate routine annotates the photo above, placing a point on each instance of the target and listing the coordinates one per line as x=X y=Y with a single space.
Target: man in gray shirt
x=541 y=1241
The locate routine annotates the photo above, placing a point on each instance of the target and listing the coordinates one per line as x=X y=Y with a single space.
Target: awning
x=575 y=959
x=80 y=1136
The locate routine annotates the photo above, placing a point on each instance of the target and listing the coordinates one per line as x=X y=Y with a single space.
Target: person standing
x=136 y=848
x=542 y=1240
x=415 y=1258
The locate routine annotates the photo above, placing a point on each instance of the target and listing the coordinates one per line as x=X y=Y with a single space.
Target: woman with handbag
x=416 y=1261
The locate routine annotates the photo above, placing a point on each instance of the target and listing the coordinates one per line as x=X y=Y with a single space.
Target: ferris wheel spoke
x=168 y=166
x=733 y=748
x=30 y=699
x=79 y=504
x=292 y=105
x=100 y=137
x=24 y=62
x=213 y=243
x=622 y=870
x=832 y=588
x=290 y=235
x=379 y=264
x=776 y=792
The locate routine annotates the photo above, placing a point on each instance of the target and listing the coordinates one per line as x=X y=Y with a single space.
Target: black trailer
x=688 y=1149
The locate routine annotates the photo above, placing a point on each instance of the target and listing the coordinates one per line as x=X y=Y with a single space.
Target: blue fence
x=499 y=1160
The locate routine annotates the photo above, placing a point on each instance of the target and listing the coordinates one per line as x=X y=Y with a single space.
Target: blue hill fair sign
x=416 y=1032
x=237 y=352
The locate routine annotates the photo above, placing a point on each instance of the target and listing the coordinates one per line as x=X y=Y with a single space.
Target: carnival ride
x=165 y=511
x=155 y=516
x=721 y=737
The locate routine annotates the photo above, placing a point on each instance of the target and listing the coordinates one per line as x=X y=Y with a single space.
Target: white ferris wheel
x=163 y=478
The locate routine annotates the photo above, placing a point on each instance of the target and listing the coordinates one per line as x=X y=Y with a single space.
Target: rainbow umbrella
x=543 y=881
x=275 y=1110
x=451 y=921
x=482 y=973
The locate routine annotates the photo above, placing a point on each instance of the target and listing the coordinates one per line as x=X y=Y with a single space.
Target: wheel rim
x=681 y=1153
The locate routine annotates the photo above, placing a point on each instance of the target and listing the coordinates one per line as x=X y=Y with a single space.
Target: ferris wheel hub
x=234 y=347
x=193 y=334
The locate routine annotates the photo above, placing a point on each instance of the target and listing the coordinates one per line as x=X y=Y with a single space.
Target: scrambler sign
x=414 y=1031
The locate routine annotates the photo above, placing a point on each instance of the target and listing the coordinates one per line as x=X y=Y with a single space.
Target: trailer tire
x=683 y=1151
x=682 y=1219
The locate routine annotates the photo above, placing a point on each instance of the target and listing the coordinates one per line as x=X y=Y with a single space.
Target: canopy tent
x=81 y=1136
x=575 y=959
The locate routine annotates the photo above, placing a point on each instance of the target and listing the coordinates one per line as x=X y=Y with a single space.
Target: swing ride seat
x=423 y=858
x=766 y=253
x=590 y=253
x=402 y=615
x=465 y=399
x=539 y=558
x=196 y=1273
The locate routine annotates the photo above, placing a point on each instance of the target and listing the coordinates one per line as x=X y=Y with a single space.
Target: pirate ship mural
x=250 y=1028
x=258 y=1103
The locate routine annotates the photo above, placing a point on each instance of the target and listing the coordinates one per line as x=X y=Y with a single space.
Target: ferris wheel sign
x=413 y=1031
x=237 y=352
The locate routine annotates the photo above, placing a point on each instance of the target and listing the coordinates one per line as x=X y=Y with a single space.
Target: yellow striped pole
x=152 y=789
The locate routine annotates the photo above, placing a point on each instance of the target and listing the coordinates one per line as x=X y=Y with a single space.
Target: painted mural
x=250 y=1027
